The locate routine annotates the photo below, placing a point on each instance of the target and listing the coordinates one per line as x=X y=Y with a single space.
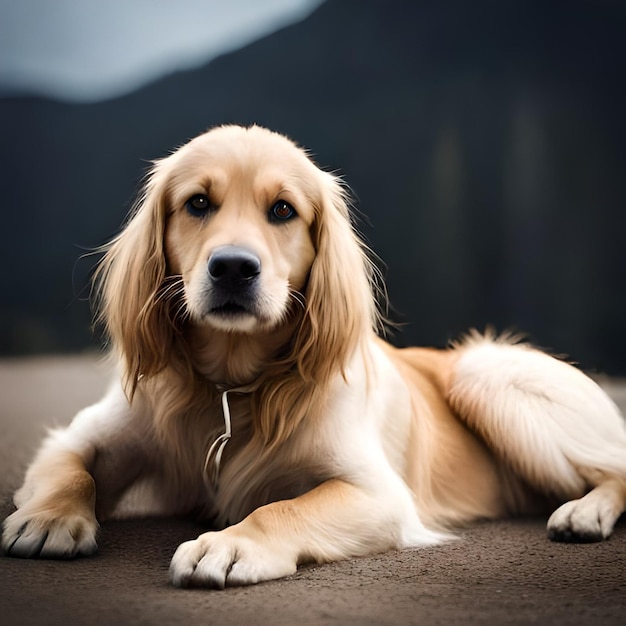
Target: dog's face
x=240 y=204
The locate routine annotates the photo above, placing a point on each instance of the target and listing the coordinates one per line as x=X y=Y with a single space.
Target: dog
x=253 y=390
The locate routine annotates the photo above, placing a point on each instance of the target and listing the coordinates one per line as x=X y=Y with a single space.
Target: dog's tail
x=553 y=425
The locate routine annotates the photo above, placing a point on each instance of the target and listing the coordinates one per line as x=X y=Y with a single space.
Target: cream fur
x=342 y=446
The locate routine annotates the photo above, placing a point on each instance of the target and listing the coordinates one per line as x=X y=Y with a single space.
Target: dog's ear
x=130 y=278
x=341 y=298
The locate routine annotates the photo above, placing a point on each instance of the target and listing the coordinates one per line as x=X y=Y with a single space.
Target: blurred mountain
x=485 y=142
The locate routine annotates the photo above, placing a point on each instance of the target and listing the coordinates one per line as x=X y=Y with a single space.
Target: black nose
x=234 y=266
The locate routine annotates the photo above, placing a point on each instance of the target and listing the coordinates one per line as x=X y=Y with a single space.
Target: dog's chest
x=248 y=475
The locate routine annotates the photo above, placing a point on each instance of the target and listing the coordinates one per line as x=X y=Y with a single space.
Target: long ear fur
x=131 y=280
x=341 y=313
x=341 y=300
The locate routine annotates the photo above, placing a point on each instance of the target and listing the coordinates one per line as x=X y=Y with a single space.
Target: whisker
x=297 y=297
x=180 y=314
x=169 y=291
x=172 y=292
x=171 y=288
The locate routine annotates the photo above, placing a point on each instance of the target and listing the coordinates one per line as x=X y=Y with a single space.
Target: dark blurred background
x=485 y=142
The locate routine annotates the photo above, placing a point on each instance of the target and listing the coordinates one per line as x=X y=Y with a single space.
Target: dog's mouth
x=230 y=309
x=232 y=316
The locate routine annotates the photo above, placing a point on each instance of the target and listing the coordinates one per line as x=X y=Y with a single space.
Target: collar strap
x=217 y=447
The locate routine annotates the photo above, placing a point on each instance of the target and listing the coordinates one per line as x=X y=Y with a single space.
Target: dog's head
x=238 y=233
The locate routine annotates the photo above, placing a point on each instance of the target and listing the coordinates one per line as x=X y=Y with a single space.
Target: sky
x=89 y=50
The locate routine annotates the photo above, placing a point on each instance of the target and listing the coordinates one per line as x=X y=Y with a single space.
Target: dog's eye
x=198 y=205
x=281 y=212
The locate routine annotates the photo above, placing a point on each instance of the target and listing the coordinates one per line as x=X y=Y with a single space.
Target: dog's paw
x=29 y=533
x=581 y=521
x=228 y=558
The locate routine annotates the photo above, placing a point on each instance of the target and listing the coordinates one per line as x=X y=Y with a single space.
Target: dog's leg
x=553 y=425
x=55 y=514
x=334 y=521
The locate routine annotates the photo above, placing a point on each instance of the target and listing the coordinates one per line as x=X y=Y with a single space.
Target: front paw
x=32 y=533
x=228 y=558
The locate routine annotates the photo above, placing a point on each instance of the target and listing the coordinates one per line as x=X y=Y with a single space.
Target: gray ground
x=496 y=573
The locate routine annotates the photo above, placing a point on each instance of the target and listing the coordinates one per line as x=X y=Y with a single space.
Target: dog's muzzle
x=233 y=273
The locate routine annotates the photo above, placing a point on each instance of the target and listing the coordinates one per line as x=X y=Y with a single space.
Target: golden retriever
x=253 y=390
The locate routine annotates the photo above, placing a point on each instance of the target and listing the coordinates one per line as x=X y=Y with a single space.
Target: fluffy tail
x=550 y=422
